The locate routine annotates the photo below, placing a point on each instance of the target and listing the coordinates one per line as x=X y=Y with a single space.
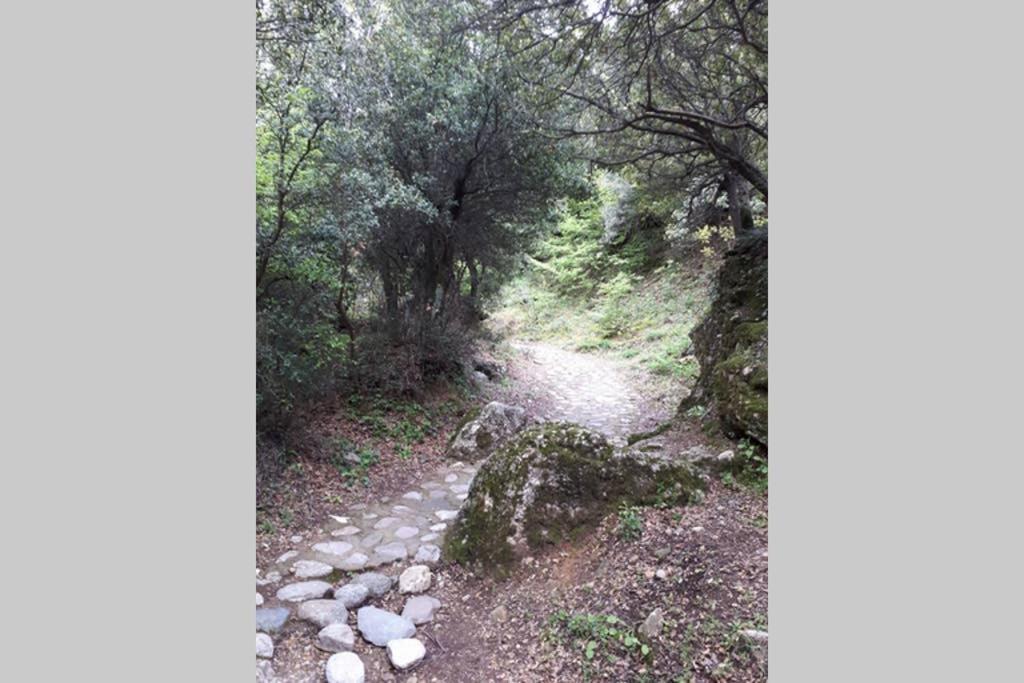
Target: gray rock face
x=271 y=619
x=345 y=667
x=323 y=612
x=311 y=569
x=377 y=584
x=264 y=646
x=485 y=432
x=420 y=609
x=380 y=627
x=304 y=590
x=405 y=653
x=336 y=638
x=415 y=579
x=352 y=595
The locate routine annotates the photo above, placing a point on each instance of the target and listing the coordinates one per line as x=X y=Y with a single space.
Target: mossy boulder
x=483 y=430
x=731 y=343
x=551 y=482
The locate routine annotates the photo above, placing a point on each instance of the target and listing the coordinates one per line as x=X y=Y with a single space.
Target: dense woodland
x=413 y=158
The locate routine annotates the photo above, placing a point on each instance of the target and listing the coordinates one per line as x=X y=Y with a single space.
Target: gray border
x=128 y=340
x=893 y=534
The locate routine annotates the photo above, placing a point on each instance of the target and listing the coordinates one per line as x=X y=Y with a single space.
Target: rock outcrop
x=731 y=343
x=552 y=481
x=484 y=430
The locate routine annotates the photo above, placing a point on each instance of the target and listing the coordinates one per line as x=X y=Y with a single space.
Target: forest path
x=598 y=392
x=388 y=535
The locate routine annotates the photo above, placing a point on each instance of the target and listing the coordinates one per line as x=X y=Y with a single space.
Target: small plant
x=594 y=633
x=750 y=467
x=630 y=522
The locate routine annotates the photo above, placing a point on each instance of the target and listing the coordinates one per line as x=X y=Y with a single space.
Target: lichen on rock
x=483 y=430
x=549 y=483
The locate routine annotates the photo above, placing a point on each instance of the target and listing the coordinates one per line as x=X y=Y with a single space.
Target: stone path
x=590 y=390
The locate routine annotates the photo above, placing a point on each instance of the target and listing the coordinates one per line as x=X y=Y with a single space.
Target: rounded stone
x=271 y=619
x=380 y=627
x=323 y=612
x=336 y=638
x=428 y=554
x=345 y=667
x=420 y=609
x=405 y=653
x=405 y=532
x=351 y=595
x=415 y=579
x=333 y=547
x=377 y=584
x=264 y=646
x=304 y=590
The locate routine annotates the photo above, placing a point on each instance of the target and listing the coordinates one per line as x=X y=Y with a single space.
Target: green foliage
x=631 y=524
x=749 y=467
x=597 y=634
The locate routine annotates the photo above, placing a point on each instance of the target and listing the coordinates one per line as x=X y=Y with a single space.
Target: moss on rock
x=552 y=482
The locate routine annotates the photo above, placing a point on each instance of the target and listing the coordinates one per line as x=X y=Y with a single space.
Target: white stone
x=340 y=520
x=305 y=590
x=297 y=538
x=439 y=527
x=336 y=638
x=445 y=515
x=726 y=456
x=413 y=495
x=427 y=538
x=451 y=479
x=264 y=646
x=345 y=667
x=311 y=569
x=346 y=531
x=259 y=599
x=404 y=532
x=415 y=579
x=405 y=653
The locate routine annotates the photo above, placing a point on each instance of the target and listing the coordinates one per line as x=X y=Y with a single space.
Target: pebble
x=405 y=653
x=297 y=538
x=259 y=599
x=445 y=515
x=499 y=614
x=345 y=667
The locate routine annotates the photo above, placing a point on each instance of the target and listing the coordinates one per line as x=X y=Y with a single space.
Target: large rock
x=345 y=667
x=380 y=627
x=484 y=430
x=731 y=343
x=551 y=482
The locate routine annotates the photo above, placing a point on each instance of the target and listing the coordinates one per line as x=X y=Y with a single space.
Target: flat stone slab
x=304 y=590
x=406 y=532
x=271 y=619
x=311 y=569
x=380 y=627
x=391 y=552
x=333 y=548
x=353 y=562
